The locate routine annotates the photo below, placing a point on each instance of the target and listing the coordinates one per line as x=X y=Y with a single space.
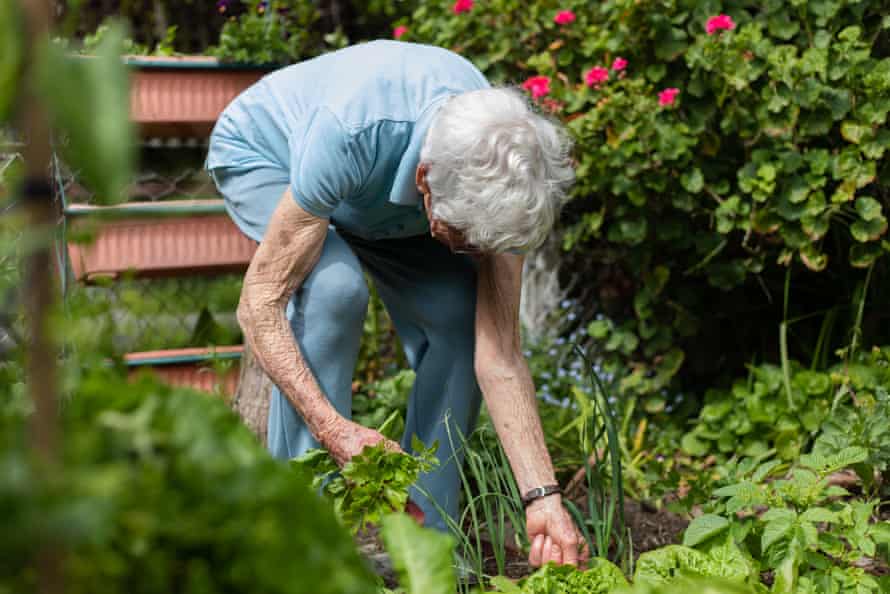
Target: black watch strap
x=539 y=492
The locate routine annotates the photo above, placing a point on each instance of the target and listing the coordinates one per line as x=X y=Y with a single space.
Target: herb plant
x=371 y=485
x=798 y=523
x=275 y=32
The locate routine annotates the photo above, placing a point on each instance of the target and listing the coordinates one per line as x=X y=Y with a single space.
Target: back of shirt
x=348 y=127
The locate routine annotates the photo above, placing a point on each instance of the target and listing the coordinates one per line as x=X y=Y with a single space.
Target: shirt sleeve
x=324 y=169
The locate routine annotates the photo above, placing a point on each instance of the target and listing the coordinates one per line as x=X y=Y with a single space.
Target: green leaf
x=599 y=329
x=505 y=585
x=11 y=54
x=703 y=528
x=880 y=532
x=819 y=514
x=862 y=255
x=420 y=556
x=97 y=124
x=693 y=446
x=779 y=523
x=864 y=231
x=693 y=181
x=868 y=208
x=854 y=132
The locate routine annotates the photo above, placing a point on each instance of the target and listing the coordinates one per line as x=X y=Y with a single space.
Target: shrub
x=163 y=490
x=708 y=163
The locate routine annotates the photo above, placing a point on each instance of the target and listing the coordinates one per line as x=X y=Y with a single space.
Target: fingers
x=552 y=552
x=535 y=555
x=570 y=552
x=584 y=555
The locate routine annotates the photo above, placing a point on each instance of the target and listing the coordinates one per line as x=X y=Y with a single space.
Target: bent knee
x=340 y=293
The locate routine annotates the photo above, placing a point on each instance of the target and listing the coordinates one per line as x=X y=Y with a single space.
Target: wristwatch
x=539 y=492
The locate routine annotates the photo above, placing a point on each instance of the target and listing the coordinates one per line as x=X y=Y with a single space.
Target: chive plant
x=604 y=524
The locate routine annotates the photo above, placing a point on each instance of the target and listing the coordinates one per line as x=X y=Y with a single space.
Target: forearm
x=268 y=334
x=509 y=394
x=291 y=248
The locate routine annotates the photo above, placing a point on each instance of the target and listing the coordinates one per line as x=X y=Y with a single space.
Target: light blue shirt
x=347 y=127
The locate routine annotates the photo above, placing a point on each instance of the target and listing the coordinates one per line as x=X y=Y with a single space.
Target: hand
x=553 y=534
x=345 y=439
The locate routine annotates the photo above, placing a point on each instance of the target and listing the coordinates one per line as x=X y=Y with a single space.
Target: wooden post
x=251 y=400
x=41 y=352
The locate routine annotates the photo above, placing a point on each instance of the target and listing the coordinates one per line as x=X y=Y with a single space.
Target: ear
x=420 y=178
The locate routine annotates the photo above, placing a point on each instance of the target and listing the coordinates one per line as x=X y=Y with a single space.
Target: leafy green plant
x=164 y=47
x=378 y=400
x=12 y=52
x=603 y=528
x=684 y=585
x=767 y=152
x=275 y=32
x=98 y=133
x=796 y=522
x=601 y=577
x=864 y=425
x=723 y=559
x=421 y=556
x=162 y=490
x=757 y=413
x=371 y=485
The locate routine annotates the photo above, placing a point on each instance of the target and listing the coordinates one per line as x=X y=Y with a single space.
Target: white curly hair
x=497 y=169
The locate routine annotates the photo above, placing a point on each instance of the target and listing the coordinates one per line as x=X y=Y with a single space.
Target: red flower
x=538 y=86
x=667 y=97
x=564 y=17
x=619 y=64
x=462 y=6
x=721 y=21
x=399 y=31
x=596 y=76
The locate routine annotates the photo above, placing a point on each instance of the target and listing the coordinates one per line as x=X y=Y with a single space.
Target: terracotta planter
x=191 y=368
x=183 y=96
x=149 y=239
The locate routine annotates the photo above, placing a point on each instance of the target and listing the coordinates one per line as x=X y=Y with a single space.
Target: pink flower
x=721 y=21
x=619 y=64
x=564 y=17
x=596 y=75
x=537 y=85
x=462 y=6
x=399 y=31
x=667 y=97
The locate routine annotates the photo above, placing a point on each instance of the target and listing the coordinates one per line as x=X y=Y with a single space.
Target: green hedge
x=708 y=164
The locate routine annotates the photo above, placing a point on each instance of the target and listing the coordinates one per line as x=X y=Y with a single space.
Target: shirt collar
x=404 y=188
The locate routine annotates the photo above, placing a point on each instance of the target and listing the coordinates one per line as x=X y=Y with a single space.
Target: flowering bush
x=717 y=145
x=276 y=32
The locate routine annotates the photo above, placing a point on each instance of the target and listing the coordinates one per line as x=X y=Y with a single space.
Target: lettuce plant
x=371 y=485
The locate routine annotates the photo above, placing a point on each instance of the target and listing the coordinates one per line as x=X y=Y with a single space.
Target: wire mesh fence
x=169 y=170
x=125 y=312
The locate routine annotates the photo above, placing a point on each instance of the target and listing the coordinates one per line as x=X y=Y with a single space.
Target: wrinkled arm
x=503 y=373
x=288 y=252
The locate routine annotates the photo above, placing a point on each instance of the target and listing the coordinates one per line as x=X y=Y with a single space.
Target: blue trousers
x=430 y=295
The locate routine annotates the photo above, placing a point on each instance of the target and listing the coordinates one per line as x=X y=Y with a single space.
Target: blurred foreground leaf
x=11 y=27
x=88 y=102
x=421 y=556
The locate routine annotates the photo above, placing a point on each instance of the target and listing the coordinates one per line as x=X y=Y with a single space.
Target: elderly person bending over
x=396 y=159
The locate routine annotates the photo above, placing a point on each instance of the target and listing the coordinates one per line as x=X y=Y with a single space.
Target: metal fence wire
x=127 y=313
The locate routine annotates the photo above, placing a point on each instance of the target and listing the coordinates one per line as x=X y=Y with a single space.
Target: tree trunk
x=251 y=400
